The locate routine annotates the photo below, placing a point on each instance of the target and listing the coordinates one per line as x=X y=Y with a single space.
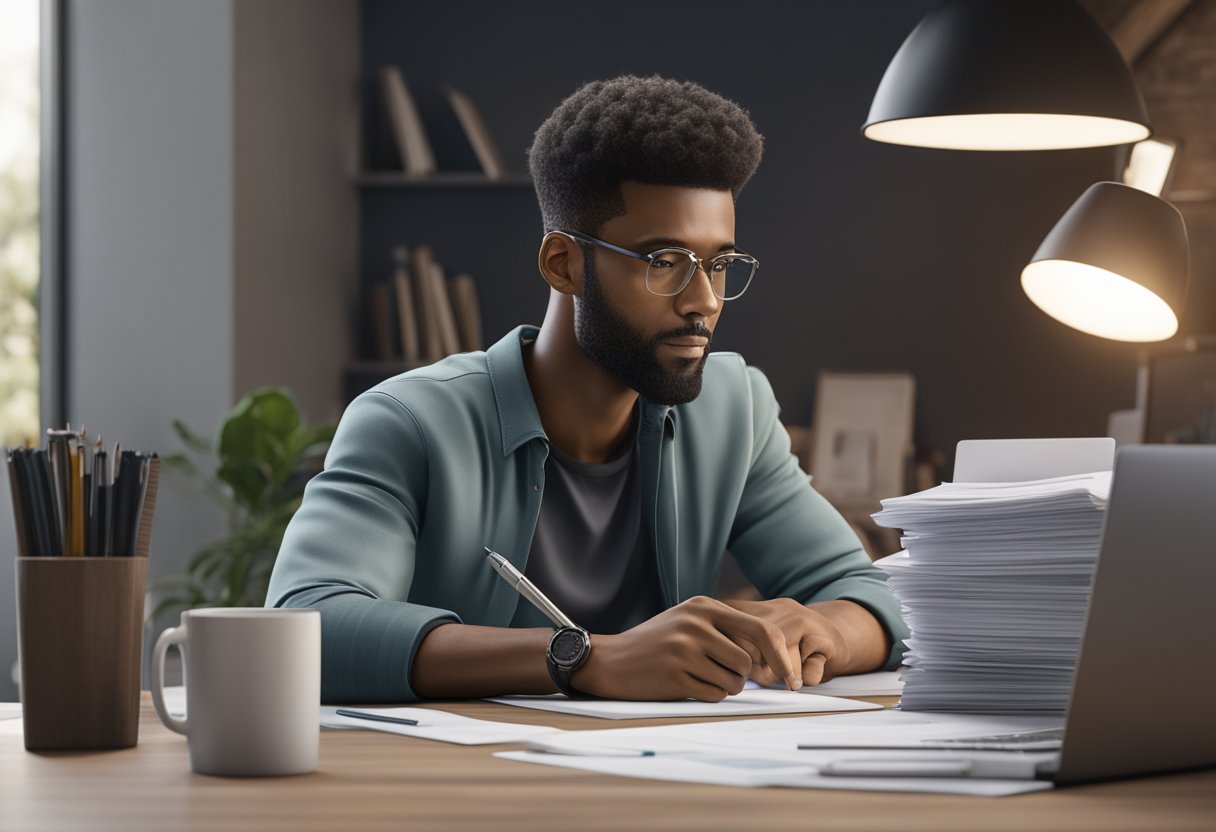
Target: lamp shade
x=1008 y=75
x=1115 y=265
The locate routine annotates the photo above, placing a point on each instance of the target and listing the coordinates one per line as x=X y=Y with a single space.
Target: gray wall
x=296 y=212
x=200 y=262
x=873 y=256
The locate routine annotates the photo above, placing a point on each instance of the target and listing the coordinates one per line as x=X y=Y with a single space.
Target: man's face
x=653 y=344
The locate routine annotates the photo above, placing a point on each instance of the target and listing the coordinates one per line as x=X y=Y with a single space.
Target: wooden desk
x=372 y=780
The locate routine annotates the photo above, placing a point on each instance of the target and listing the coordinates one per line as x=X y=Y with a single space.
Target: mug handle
x=170 y=637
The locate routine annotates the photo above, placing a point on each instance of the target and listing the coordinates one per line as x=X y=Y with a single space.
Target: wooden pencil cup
x=80 y=631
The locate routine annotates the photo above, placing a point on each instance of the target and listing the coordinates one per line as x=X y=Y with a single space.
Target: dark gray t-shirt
x=590 y=555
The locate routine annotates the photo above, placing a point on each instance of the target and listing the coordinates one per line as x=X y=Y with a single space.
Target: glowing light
x=1097 y=301
x=1007 y=131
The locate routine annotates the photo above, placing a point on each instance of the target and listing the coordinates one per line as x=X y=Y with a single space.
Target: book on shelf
x=445 y=317
x=475 y=131
x=407 y=317
x=381 y=315
x=417 y=157
x=430 y=340
x=418 y=315
x=468 y=312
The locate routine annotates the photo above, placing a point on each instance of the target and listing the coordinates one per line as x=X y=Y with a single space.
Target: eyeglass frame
x=649 y=258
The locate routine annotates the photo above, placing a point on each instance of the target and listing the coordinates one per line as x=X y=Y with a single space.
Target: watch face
x=567 y=647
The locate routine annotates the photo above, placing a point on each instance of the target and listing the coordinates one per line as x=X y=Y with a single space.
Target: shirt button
x=535 y=487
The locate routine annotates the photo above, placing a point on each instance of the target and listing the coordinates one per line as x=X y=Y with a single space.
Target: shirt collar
x=518 y=418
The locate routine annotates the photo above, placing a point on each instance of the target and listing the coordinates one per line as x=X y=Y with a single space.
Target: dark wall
x=874 y=256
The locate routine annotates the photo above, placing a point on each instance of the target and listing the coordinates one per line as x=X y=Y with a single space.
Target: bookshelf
x=429 y=175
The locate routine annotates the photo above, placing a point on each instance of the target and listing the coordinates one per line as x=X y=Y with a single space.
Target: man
x=607 y=455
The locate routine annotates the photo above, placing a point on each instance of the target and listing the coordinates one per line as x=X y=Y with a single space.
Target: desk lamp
x=1115 y=265
x=1008 y=75
x=1150 y=165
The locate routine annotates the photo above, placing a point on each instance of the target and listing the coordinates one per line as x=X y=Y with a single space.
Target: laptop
x=1143 y=693
x=1145 y=684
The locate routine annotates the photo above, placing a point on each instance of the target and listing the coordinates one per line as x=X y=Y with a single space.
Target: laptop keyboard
x=1047 y=739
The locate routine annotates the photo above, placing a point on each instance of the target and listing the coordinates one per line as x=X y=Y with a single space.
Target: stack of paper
x=994 y=581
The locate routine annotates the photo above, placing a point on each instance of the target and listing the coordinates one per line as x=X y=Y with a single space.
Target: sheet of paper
x=875 y=729
x=765 y=752
x=10 y=720
x=748 y=770
x=747 y=703
x=883 y=683
x=439 y=725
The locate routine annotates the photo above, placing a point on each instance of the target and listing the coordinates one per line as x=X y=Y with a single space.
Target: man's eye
x=661 y=263
x=719 y=265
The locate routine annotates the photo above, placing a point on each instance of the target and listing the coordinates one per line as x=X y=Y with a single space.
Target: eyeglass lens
x=669 y=271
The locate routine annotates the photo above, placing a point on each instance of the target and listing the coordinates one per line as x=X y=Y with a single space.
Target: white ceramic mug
x=253 y=689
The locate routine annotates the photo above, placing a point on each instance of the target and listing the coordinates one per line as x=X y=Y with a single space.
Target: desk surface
x=373 y=780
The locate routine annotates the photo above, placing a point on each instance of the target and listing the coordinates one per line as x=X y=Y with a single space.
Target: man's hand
x=813 y=641
x=700 y=649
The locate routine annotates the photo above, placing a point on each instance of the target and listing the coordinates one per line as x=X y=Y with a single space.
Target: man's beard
x=608 y=340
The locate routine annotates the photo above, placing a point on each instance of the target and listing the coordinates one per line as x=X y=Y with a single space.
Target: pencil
x=76 y=503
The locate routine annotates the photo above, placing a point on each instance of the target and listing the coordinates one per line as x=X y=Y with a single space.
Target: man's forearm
x=869 y=645
x=467 y=662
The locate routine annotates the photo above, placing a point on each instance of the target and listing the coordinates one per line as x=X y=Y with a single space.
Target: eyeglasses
x=669 y=270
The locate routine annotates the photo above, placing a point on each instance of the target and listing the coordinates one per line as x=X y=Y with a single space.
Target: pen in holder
x=84 y=527
x=80 y=632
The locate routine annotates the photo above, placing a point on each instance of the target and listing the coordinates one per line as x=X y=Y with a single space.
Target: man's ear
x=560 y=261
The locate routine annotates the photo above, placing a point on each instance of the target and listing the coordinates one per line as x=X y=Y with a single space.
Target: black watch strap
x=564 y=661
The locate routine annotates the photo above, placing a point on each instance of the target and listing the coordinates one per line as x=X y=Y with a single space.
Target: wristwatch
x=568 y=649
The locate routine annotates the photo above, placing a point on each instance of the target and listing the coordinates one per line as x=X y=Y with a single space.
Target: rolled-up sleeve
x=349 y=552
x=791 y=542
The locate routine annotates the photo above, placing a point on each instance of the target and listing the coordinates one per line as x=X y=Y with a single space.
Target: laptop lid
x=1145 y=684
x=1010 y=460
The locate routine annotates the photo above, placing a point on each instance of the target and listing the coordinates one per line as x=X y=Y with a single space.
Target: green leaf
x=247 y=481
x=180 y=462
x=189 y=438
x=264 y=454
x=266 y=413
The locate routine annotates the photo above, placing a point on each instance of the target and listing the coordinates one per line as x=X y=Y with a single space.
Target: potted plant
x=263 y=455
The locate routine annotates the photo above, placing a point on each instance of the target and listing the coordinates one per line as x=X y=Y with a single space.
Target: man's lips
x=686 y=342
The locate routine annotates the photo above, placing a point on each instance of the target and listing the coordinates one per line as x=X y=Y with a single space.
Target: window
x=20 y=244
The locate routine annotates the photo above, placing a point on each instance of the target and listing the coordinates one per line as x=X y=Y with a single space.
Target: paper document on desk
x=747 y=703
x=10 y=719
x=751 y=771
x=881 y=683
x=439 y=725
x=994 y=583
x=765 y=752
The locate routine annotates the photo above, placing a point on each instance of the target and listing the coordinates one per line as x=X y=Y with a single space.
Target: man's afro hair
x=630 y=129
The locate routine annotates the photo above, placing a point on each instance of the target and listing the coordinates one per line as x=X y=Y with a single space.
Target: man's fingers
x=733 y=657
x=814 y=642
x=762 y=675
x=753 y=652
x=713 y=683
x=767 y=638
x=812 y=668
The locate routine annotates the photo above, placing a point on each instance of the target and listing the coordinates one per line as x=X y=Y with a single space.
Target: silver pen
x=527 y=589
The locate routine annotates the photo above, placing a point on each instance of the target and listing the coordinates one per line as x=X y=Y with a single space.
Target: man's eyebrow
x=652 y=243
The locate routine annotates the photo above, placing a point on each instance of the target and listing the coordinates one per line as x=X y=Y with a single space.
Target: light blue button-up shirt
x=431 y=466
